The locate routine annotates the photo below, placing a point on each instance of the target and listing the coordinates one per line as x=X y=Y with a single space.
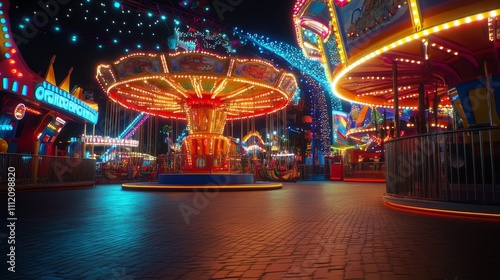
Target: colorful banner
x=257 y=71
x=193 y=63
x=138 y=65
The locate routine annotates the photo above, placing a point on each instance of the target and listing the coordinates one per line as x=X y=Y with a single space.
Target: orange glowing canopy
x=434 y=45
x=166 y=84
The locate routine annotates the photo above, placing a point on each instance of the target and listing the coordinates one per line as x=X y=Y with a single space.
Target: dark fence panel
x=112 y=173
x=365 y=170
x=32 y=169
x=460 y=166
x=316 y=172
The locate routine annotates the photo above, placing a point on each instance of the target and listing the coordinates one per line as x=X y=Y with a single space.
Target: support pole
x=35 y=161
x=93 y=137
x=396 y=97
x=427 y=107
x=435 y=107
x=488 y=92
x=421 y=109
x=490 y=115
x=84 y=147
x=313 y=129
x=384 y=133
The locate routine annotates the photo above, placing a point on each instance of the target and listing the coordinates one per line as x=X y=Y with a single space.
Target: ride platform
x=211 y=182
x=151 y=186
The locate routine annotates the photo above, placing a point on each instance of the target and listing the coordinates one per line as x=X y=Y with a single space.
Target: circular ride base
x=190 y=181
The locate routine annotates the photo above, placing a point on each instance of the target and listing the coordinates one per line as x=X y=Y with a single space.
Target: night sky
x=84 y=33
x=71 y=32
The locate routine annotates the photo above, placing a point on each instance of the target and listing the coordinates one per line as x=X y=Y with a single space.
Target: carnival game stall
x=34 y=111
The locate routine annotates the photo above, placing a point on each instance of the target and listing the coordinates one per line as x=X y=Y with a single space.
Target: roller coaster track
x=128 y=132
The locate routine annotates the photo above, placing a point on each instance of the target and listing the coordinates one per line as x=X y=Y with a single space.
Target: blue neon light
x=297 y=59
x=131 y=125
x=5 y=83
x=6 y=127
x=52 y=95
x=15 y=86
x=126 y=133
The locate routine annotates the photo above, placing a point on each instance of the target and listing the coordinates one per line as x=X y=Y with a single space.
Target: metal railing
x=115 y=172
x=205 y=164
x=315 y=172
x=460 y=166
x=365 y=170
x=35 y=169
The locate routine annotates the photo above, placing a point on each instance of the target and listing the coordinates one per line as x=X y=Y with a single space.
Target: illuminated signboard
x=99 y=140
x=52 y=95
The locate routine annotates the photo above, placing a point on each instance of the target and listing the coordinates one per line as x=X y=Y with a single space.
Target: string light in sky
x=296 y=58
x=324 y=121
x=319 y=112
x=146 y=23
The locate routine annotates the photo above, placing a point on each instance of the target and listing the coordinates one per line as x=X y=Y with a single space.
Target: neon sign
x=52 y=95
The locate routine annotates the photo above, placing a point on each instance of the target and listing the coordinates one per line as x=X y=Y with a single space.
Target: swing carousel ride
x=204 y=89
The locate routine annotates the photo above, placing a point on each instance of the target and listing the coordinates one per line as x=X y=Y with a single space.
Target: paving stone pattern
x=307 y=230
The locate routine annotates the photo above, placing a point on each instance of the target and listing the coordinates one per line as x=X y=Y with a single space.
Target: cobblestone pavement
x=307 y=230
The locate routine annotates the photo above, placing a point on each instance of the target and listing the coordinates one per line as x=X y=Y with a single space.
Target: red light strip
x=445 y=212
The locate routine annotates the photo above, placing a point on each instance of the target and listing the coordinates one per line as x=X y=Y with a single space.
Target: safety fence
x=459 y=166
x=40 y=169
x=121 y=172
x=365 y=171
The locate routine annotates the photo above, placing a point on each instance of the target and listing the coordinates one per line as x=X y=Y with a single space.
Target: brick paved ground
x=307 y=230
